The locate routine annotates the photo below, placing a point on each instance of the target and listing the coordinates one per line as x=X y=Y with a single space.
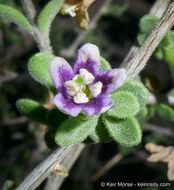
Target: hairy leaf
x=55 y=118
x=38 y=67
x=125 y=105
x=141 y=38
x=166 y=111
x=168 y=39
x=137 y=89
x=105 y=65
x=147 y=23
x=99 y=133
x=127 y=132
x=169 y=57
x=48 y=14
x=15 y=16
x=74 y=130
x=32 y=109
x=142 y=116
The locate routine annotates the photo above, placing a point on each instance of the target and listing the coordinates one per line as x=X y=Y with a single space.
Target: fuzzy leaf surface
x=137 y=89
x=48 y=14
x=125 y=105
x=38 y=67
x=105 y=65
x=32 y=109
x=74 y=130
x=147 y=23
x=99 y=133
x=126 y=132
x=15 y=16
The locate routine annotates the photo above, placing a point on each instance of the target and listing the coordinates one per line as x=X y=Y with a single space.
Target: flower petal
x=89 y=58
x=66 y=105
x=111 y=80
x=99 y=105
x=60 y=72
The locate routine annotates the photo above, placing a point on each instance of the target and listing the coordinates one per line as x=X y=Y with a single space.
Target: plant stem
x=158 y=9
x=134 y=64
x=45 y=168
x=42 y=42
x=107 y=167
x=30 y=10
x=143 y=54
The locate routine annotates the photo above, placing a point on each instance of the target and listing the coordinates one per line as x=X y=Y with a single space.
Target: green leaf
x=151 y=111
x=74 y=130
x=166 y=111
x=48 y=14
x=137 y=89
x=104 y=65
x=165 y=43
x=49 y=139
x=127 y=132
x=15 y=16
x=9 y=185
x=125 y=105
x=99 y=133
x=147 y=23
x=38 y=67
x=169 y=57
x=159 y=53
x=32 y=109
x=55 y=118
x=141 y=38
x=168 y=39
x=142 y=116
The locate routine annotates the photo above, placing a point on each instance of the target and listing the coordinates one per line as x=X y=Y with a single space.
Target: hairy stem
x=158 y=9
x=30 y=10
x=45 y=168
x=143 y=54
x=42 y=42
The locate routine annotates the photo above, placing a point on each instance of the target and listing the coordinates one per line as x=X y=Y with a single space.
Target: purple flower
x=84 y=88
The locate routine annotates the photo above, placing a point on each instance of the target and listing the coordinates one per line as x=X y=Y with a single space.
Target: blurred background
x=22 y=146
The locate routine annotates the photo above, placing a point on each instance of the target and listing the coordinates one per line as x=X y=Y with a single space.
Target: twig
x=143 y=54
x=107 y=167
x=158 y=9
x=7 y=76
x=14 y=121
x=161 y=130
x=30 y=10
x=45 y=168
x=56 y=181
x=43 y=42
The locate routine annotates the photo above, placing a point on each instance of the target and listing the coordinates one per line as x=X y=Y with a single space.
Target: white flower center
x=81 y=89
x=72 y=10
x=96 y=88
